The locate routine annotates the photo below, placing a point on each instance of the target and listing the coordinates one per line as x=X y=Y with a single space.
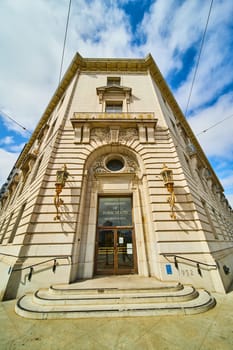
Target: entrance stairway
x=81 y=300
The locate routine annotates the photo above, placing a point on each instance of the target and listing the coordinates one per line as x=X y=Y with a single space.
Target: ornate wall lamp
x=62 y=176
x=167 y=176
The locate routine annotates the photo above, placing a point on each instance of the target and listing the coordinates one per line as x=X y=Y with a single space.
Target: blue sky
x=31 y=39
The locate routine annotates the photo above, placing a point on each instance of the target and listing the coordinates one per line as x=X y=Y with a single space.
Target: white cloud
x=7 y=161
x=30 y=39
x=216 y=141
x=230 y=199
x=168 y=33
x=226 y=178
x=6 y=140
x=228 y=181
x=16 y=148
x=32 y=51
x=215 y=67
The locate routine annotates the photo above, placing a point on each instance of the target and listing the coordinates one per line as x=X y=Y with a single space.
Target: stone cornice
x=116 y=65
x=113 y=88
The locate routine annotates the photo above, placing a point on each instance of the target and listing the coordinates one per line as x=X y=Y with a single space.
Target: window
x=6 y=228
x=25 y=174
x=1 y=229
x=113 y=106
x=51 y=129
x=61 y=102
x=36 y=169
x=42 y=134
x=210 y=221
x=188 y=163
x=113 y=81
x=115 y=164
x=173 y=124
x=16 y=224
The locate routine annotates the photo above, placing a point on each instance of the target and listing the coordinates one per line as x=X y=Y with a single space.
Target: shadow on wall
x=185 y=217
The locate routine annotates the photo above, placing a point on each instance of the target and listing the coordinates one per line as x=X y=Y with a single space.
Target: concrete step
x=113 y=296
x=75 y=288
x=113 y=302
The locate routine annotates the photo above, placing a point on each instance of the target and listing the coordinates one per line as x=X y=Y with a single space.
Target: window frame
x=113 y=103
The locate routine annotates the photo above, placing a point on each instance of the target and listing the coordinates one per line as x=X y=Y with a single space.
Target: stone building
x=113 y=181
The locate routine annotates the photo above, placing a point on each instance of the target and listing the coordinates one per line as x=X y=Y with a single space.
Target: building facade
x=113 y=181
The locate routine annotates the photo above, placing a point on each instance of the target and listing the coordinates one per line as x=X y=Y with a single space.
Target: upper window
x=113 y=81
x=113 y=106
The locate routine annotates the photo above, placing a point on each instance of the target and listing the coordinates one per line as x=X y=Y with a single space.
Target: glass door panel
x=125 y=257
x=115 y=253
x=115 y=211
x=105 y=251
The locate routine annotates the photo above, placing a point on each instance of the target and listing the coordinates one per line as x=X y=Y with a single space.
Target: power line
x=212 y=126
x=199 y=56
x=14 y=121
x=64 y=44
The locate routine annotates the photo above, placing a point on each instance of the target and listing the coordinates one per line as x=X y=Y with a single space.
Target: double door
x=115 y=251
x=115 y=244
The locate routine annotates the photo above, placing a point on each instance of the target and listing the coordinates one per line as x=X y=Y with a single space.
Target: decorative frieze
x=128 y=134
x=113 y=134
x=100 y=134
x=123 y=127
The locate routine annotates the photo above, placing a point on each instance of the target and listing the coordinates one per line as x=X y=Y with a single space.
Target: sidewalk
x=212 y=330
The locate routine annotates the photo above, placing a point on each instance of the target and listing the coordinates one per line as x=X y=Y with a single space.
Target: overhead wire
x=212 y=126
x=198 y=59
x=64 y=43
x=195 y=73
x=4 y=114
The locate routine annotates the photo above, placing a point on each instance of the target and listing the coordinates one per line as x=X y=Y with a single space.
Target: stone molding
x=124 y=127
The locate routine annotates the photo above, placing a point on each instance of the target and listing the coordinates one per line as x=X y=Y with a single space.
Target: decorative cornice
x=112 y=89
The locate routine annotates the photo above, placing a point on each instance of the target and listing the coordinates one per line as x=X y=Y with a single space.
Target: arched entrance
x=112 y=236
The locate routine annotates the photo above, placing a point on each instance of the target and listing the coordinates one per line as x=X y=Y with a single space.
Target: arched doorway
x=112 y=237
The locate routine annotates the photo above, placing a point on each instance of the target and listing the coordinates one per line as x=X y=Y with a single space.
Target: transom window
x=113 y=106
x=115 y=211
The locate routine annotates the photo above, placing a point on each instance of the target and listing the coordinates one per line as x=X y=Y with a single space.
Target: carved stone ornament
x=128 y=134
x=99 y=166
x=130 y=165
x=100 y=134
x=107 y=135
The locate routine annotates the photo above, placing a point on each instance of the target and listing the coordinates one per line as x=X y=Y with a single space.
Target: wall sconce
x=62 y=176
x=167 y=176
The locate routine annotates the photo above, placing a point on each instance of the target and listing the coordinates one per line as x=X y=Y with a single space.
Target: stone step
x=73 y=289
x=45 y=305
x=114 y=296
